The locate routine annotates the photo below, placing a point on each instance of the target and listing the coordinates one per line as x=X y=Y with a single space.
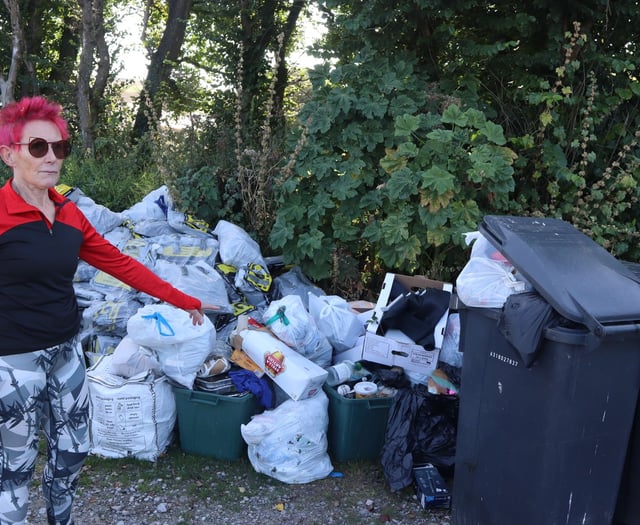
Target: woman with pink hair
x=42 y=371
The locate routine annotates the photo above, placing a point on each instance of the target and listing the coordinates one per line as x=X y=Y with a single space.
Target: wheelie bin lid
x=578 y=278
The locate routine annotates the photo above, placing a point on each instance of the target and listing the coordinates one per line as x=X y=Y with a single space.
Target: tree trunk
x=89 y=98
x=8 y=85
x=104 y=59
x=161 y=65
x=84 y=76
x=68 y=49
x=283 y=70
x=259 y=31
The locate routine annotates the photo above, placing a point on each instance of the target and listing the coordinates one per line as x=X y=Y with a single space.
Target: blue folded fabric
x=244 y=381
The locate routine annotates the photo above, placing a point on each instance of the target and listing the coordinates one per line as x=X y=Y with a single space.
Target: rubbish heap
x=279 y=362
x=547 y=321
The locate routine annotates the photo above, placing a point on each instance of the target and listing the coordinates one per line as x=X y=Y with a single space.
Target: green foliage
x=386 y=178
x=581 y=163
x=433 y=114
x=118 y=184
x=200 y=167
x=208 y=194
x=427 y=115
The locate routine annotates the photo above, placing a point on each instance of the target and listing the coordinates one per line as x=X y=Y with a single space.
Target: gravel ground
x=186 y=489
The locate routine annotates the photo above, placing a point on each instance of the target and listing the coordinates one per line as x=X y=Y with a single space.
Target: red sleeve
x=100 y=253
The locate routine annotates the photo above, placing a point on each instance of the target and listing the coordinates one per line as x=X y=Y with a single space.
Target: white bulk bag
x=131 y=417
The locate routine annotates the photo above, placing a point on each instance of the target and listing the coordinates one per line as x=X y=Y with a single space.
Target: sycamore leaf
x=438 y=236
x=401 y=184
x=310 y=241
x=408 y=149
x=438 y=180
x=395 y=227
x=453 y=115
x=402 y=104
x=441 y=135
x=343 y=187
x=436 y=202
x=433 y=220
x=493 y=132
x=341 y=99
x=345 y=229
x=392 y=161
x=399 y=254
x=281 y=232
x=371 y=200
x=317 y=209
x=372 y=232
x=405 y=125
x=372 y=108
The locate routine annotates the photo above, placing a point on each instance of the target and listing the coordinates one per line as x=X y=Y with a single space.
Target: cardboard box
x=299 y=377
x=390 y=352
x=393 y=348
x=431 y=489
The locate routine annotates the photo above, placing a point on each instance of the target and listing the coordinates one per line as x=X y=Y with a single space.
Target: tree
x=8 y=85
x=88 y=96
x=46 y=42
x=162 y=63
x=244 y=52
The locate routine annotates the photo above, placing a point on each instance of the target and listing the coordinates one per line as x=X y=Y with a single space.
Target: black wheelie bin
x=628 y=508
x=543 y=436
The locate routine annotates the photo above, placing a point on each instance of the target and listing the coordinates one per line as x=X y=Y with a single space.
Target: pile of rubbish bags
x=138 y=349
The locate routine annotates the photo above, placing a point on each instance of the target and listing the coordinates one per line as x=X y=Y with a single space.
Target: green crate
x=356 y=426
x=209 y=424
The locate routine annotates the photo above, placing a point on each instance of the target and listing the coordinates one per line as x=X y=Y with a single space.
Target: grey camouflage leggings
x=47 y=390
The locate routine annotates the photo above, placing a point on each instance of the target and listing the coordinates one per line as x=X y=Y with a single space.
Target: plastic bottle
x=346 y=371
x=360 y=372
x=340 y=373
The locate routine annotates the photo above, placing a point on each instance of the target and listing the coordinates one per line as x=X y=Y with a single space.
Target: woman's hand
x=197 y=316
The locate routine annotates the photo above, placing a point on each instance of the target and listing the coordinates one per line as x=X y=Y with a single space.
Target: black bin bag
x=421 y=428
x=524 y=319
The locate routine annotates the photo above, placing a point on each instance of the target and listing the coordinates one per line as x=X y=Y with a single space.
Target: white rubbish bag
x=288 y=319
x=488 y=278
x=289 y=443
x=336 y=320
x=181 y=347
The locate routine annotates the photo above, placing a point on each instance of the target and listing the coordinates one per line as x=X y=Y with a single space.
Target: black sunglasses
x=39 y=148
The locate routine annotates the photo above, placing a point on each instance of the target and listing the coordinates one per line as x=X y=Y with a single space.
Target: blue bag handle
x=160 y=322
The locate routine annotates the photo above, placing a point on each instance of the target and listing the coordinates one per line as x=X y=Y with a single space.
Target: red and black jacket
x=38 y=260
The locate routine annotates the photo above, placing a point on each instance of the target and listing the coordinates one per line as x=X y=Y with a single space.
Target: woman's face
x=40 y=173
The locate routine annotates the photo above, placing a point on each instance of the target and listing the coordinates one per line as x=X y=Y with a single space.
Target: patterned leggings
x=47 y=390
